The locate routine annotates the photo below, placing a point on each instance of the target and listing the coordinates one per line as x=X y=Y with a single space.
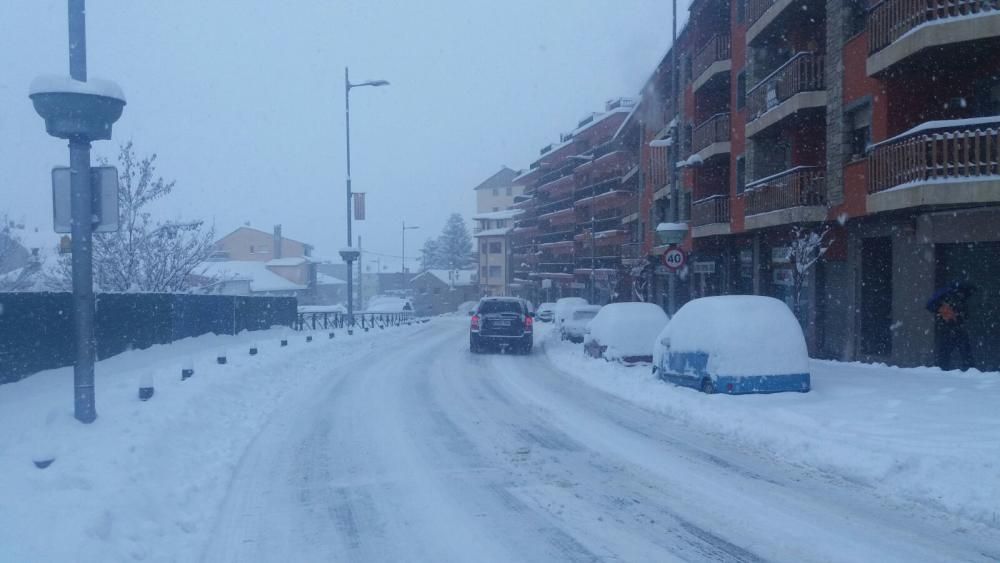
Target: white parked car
x=546 y=312
x=574 y=326
x=625 y=332
x=563 y=306
x=734 y=344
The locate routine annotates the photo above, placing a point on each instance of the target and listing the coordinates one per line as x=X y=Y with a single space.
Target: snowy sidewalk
x=922 y=434
x=145 y=481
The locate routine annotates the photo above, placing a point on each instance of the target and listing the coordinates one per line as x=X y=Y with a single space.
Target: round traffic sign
x=674 y=258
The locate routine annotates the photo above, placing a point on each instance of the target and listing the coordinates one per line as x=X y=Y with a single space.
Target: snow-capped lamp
x=77 y=110
x=187 y=370
x=221 y=358
x=253 y=349
x=146 y=389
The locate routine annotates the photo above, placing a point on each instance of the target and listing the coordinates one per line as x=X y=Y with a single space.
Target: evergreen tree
x=455 y=243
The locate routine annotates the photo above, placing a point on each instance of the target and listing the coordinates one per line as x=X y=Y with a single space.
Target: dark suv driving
x=501 y=322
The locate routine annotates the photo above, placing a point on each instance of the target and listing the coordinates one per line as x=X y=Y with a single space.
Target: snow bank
x=564 y=305
x=145 y=481
x=917 y=434
x=627 y=329
x=742 y=335
x=389 y=305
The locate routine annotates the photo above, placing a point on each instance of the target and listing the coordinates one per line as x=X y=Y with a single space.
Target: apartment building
x=770 y=120
x=494 y=219
x=569 y=239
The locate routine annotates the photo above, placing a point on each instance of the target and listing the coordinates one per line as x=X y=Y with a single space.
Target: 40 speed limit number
x=674 y=258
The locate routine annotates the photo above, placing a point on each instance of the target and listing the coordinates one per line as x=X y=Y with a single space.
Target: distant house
x=249 y=261
x=436 y=292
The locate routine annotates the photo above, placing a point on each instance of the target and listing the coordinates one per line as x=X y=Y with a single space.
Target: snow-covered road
x=420 y=451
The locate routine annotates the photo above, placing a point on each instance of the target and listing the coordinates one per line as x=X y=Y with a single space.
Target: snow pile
x=146 y=480
x=385 y=304
x=918 y=434
x=627 y=329
x=742 y=335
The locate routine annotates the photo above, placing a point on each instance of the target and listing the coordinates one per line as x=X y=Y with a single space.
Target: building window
x=495 y=272
x=496 y=192
x=483 y=248
x=741 y=89
x=510 y=190
x=859 y=131
x=483 y=272
x=855 y=13
x=741 y=174
x=437 y=291
x=495 y=248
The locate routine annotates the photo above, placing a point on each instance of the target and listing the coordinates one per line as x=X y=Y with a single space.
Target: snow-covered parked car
x=563 y=306
x=734 y=344
x=546 y=312
x=625 y=332
x=574 y=325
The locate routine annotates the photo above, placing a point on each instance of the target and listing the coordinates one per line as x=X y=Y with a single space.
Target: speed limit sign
x=674 y=258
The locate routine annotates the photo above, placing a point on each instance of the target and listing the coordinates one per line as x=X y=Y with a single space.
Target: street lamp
x=349 y=254
x=80 y=111
x=405 y=228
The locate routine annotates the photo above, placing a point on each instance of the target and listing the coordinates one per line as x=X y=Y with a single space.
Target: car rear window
x=490 y=307
x=582 y=315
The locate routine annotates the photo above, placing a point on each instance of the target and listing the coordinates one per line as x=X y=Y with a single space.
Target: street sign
x=674 y=258
x=104 y=205
x=359 y=206
x=703 y=267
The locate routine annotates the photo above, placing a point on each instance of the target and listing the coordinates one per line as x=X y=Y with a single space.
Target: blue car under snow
x=734 y=344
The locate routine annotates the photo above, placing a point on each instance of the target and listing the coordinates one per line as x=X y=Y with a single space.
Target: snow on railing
x=963 y=152
x=796 y=187
x=891 y=19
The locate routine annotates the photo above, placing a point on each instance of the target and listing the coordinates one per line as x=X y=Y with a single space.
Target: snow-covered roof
x=322 y=309
x=324 y=279
x=255 y=272
x=493 y=232
x=292 y=261
x=460 y=277
x=498 y=215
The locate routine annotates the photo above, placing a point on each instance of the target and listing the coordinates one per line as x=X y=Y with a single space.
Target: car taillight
x=475 y=322
x=528 y=323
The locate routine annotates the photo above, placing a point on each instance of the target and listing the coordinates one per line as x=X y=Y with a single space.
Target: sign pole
x=85 y=409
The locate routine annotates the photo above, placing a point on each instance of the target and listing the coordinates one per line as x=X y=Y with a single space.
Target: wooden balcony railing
x=715 y=129
x=756 y=9
x=718 y=48
x=632 y=251
x=890 y=19
x=968 y=151
x=802 y=73
x=710 y=210
x=797 y=187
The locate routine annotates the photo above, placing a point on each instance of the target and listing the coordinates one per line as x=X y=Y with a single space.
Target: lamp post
x=349 y=254
x=80 y=111
x=405 y=228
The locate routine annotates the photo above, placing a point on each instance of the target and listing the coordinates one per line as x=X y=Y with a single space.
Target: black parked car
x=501 y=322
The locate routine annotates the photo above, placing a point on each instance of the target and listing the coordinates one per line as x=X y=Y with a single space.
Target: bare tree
x=144 y=254
x=807 y=248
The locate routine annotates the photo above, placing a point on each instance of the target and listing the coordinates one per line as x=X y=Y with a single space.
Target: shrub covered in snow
x=625 y=331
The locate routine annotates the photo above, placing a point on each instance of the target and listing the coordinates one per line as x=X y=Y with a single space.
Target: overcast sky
x=243 y=101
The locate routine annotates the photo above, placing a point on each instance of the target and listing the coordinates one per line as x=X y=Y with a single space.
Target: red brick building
x=878 y=122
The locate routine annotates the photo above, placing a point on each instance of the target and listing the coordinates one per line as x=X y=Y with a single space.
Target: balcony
x=632 y=252
x=797 y=85
x=601 y=262
x=710 y=216
x=937 y=163
x=796 y=195
x=556 y=212
x=898 y=29
x=761 y=14
x=712 y=60
x=711 y=137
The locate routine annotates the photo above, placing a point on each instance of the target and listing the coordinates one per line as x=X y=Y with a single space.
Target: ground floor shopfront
x=866 y=299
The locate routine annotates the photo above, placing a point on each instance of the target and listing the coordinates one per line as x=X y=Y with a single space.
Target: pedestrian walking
x=950 y=306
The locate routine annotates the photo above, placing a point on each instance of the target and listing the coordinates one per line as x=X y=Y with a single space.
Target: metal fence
x=363 y=321
x=36 y=328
